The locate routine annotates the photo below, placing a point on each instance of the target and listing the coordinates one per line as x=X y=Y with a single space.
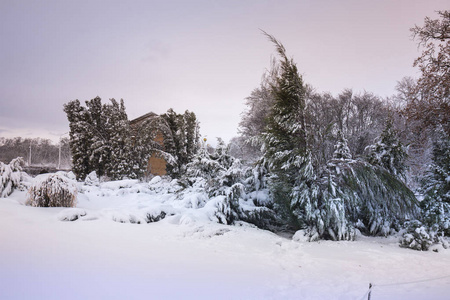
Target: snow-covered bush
x=227 y=205
x=52 y=190
x=221 y=176
x=421 y=237
x=92 y=179
x=436 y=213
x=256 y=183
x=258 y=207
x=71 y=214
x=10 y=176
x=221 y=210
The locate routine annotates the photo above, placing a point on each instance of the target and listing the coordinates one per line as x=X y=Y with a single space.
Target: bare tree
x=432 y=102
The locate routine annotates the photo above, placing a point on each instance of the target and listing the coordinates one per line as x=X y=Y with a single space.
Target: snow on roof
x=143 y=117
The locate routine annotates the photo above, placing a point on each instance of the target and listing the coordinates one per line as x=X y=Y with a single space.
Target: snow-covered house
x=156 y=165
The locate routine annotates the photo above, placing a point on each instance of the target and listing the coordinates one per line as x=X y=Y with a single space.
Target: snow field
x=187 y=255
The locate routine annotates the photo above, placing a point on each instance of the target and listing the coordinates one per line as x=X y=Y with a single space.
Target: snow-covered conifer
x=354 y=195
x=285 y=146
x=122 y=159
x=79 y=138
x=436 y=205
x=439 y=178
x=341 y=150
x=99 y=129
x=185 y=134
x=101 y=140
x=222 y=175
x=367 y=197
x=388 y=152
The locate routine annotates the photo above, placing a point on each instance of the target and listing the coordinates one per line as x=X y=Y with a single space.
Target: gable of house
x=156 y=165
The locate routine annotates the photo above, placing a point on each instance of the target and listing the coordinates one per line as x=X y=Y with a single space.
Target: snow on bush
x=119 y=184
x=155 y=180
x=421 y=237
x=301 y=236
x=219 y=175
x=141 y=215
x=52 y=190
x=92 y=179
x=10 y=176
x=125 y=217
x=71 y=214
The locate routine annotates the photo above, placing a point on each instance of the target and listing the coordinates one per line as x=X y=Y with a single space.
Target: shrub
x=10 y=176
x=92 y=179
x=421 y=237
x=52 y=190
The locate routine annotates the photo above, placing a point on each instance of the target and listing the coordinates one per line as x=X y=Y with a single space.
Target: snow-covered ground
x=188 y=256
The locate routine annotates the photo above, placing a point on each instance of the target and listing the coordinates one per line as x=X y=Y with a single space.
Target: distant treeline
x=35 y=151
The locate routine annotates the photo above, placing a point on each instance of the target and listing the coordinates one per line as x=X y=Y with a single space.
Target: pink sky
x=204 y=56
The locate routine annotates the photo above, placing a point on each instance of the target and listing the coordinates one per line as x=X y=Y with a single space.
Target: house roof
x=143 y=118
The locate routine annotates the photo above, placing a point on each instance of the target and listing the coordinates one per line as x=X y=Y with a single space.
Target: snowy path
x=44 y=258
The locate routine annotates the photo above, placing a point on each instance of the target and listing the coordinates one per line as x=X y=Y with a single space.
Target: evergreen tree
x=79 y=138
x=341 y=150
x=122 y=160
x=185 y=134
x=285 y=148
x=388 y=152
x=221 y=176
x=192 y=135
x=440 y=176
x=100 y=139
x=355 y=194
x=99 y=131
x=436 y=204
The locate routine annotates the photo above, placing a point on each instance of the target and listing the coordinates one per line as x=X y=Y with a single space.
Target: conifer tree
x=357 y=194
x=185 y=134
x=341 y=150
x=388 y=152
x=441 y=165
x=221 y=175
x=100 y=139
x=285 y=147
x=192 y=135
x=79 y=138
x=436 y=204
x=121 y=162
x=99 y=131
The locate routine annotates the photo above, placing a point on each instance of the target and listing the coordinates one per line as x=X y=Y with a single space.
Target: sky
x=202 y=56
